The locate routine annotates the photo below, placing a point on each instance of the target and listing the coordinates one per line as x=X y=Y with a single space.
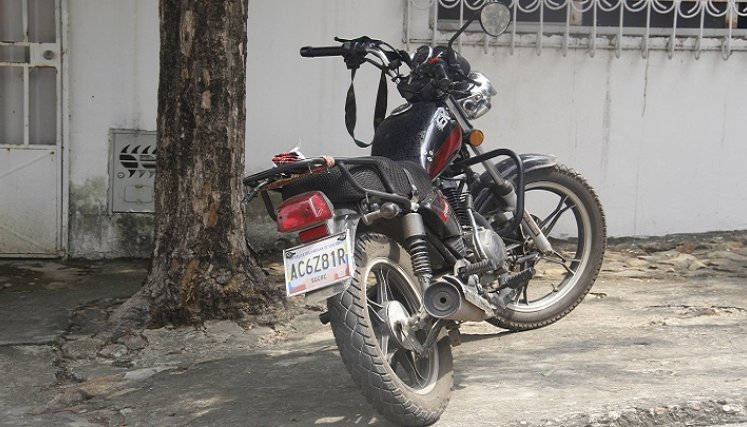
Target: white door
x=30 y=128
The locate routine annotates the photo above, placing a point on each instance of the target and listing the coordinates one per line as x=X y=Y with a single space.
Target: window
x=609 y=24
x=581 y=13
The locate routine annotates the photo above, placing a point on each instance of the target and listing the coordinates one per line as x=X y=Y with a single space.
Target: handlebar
x=433 y=80
x=313 y=52
x=354 y=52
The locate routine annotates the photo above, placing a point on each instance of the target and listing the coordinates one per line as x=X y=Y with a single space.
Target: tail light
x=304 y=211
x=313 y=233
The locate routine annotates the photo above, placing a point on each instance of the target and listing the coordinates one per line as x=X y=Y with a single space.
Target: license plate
x=318 y=265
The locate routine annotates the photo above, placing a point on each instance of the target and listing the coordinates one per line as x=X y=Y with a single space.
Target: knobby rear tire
x=361 y=349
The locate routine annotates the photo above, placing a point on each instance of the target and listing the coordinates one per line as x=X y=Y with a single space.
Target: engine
x=489 y=247
x=486 y=251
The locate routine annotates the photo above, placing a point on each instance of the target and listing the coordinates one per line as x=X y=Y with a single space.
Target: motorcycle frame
x=521 y=216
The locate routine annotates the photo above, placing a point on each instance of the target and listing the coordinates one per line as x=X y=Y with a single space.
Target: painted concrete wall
x=660 y=139
x=113 y=78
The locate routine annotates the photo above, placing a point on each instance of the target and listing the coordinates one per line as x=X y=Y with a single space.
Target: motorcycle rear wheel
x=569 y=212
x=404 y=388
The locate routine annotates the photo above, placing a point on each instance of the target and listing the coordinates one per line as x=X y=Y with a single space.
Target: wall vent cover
x=132 y=170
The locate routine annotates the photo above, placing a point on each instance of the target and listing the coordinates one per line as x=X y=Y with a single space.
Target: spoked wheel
x=568 y=211
x=406 y=386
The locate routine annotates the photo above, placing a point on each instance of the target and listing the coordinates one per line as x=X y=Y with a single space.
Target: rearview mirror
x=494 y=18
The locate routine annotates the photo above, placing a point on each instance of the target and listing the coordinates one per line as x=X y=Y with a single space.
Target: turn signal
x=476 y=137
x=303 y=211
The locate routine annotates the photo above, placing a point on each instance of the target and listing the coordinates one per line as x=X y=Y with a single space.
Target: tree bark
x=202 y=267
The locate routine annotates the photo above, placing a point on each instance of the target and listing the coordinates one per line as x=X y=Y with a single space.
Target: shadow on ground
x=252 y=390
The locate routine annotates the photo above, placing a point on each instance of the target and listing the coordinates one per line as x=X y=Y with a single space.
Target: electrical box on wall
x=132 y=170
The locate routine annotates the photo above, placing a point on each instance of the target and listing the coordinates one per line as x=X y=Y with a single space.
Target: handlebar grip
x=312 y=52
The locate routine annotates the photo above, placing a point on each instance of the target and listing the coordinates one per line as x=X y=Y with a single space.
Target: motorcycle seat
x=403 y=176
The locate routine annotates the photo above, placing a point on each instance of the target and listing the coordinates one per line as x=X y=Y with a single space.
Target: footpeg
x=515 y=281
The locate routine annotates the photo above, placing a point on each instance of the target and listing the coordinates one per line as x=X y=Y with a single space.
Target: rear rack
x=305 y=166
x=285 y=174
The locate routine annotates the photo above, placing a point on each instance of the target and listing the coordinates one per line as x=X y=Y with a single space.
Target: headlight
x=477 y=102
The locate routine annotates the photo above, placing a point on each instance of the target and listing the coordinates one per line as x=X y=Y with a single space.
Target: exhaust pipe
x=448 y=298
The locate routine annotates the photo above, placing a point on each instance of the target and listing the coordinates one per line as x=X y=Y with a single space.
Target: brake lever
x=405 y=57
x=361 y=39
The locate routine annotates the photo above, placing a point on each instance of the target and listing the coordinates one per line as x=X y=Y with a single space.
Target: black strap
x=351 y=109
x=381 y=101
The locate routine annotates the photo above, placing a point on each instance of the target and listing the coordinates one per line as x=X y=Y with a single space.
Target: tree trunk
x=202 y=267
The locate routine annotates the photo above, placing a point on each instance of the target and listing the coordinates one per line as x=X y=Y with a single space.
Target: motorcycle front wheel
x=568 y=211
x=405 y=387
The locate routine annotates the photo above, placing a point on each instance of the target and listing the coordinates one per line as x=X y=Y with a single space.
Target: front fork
x=529 y=225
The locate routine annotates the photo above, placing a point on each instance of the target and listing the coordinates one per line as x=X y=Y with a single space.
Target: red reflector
x=313 y=233
x=303 y=211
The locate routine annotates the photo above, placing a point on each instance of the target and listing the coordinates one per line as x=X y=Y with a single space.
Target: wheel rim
x=385 y=282
x=557 y=210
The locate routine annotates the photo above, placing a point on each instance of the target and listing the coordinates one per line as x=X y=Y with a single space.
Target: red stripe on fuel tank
x=449 y=149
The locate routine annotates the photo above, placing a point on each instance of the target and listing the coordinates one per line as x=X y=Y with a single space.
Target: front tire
x=571 y=216
x=404 y=388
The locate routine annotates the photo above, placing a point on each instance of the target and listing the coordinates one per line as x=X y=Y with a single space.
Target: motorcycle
x=407 y=244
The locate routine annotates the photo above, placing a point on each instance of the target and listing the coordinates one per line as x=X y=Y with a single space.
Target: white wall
x=292 y=99
x=112 y=59
x=113 y=63
x=660 y=139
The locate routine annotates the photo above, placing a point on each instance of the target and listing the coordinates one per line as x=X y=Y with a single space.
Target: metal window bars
x=30 y=77
x=665 y=25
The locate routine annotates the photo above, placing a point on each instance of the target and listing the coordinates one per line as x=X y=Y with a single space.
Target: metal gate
x=31 y=172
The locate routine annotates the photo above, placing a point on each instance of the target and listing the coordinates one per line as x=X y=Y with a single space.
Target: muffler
x=448 y=298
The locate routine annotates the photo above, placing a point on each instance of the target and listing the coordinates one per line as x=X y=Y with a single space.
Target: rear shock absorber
x=417 y=247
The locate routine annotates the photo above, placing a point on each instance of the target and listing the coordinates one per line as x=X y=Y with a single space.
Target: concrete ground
x=661 y=340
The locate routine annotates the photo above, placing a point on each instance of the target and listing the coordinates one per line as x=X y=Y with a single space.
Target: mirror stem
x=461 y=30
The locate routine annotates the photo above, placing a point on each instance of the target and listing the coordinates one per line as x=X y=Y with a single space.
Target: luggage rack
x=284 y=174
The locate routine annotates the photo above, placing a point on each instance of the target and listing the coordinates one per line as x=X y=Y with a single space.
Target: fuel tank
x=423 y=132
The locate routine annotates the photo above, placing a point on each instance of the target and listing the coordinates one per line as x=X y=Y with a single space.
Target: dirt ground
x=661 y=340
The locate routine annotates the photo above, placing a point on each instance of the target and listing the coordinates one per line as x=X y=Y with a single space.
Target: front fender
x=531 y=161
x=507 y=169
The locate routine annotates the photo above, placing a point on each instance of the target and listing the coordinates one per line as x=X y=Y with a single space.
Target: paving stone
x=84 y=348
x=133 y=341
x=113 y=351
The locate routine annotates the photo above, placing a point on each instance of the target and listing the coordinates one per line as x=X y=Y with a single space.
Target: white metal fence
x=665 y=25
